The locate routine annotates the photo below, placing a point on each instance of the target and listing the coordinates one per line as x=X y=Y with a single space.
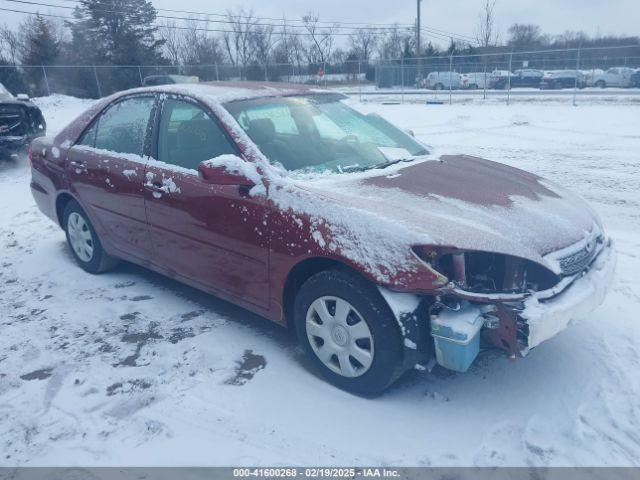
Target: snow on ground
x=129 y=368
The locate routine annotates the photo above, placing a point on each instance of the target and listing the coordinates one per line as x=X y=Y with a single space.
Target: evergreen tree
x=40 y=46
x=116 y=32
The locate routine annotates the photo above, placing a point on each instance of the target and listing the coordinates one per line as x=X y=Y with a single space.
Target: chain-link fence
x=575 y=68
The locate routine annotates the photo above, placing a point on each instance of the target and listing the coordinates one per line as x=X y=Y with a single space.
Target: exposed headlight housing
x=487 y=272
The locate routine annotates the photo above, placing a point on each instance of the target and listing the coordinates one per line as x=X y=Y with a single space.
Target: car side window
x=88 y=138
x=188 y=135
x=123 y=127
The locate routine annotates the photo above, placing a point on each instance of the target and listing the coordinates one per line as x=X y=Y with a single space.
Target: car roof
x=223 y=92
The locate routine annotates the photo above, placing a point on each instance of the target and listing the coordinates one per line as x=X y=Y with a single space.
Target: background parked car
x=614 y=77
x=153 y=80
x=589 y=75
x=442 y=80
x=635 y=78
x=519 y=78
x=475 y=80
x=563 y=79
x=20 y=122
x=500 y=79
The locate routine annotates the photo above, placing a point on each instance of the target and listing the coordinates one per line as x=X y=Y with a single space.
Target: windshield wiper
x=388 y=163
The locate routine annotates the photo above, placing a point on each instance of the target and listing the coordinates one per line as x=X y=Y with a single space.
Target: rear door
x=214 y=235
x=106 y=170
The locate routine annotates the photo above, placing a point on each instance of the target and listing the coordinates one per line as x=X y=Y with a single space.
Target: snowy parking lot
x=130 y=368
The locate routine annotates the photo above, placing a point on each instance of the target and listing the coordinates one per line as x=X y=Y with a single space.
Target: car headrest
x=261 y=130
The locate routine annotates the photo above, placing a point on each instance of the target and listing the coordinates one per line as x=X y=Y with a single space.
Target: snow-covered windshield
x=4 y=93
x=320 y=132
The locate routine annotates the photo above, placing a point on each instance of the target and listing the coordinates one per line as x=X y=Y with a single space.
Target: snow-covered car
x=288 y=202
x=614 y=77
x=442 y=81
x=559 y=79
x=475 y=80
x=20 y=122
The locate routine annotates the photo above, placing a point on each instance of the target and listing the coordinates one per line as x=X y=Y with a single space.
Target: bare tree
x=172 y=40
x=392 y=45
x=10 y=45
x=526 y=36
x=239 y=41
x=321 y=39
x=262 y=40
x=297 y=50
x=487 y=34
x=196 y=46
x=363 y=42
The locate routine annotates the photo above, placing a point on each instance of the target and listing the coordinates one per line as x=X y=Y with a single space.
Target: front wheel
x=83 y=240
x=349 y=332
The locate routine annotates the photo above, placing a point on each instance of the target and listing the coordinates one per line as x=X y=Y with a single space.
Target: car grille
x=578 y=260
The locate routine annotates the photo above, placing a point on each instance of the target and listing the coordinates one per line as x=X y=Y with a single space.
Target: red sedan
x=292 y=204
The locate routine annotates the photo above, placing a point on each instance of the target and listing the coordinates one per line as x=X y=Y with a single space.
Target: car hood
x=469 y=203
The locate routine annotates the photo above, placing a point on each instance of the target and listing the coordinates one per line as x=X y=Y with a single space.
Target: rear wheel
x=349 y=332
x=439 y=86
x=83 y=240
x=601 y=84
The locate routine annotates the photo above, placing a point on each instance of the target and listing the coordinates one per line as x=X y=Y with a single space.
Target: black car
x=20 y=122
x=519 y=78
x=563 y=79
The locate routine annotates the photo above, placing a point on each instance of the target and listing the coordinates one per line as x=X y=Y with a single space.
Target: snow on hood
x=466 y=202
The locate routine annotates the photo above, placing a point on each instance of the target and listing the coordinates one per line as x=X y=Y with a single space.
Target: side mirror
x=23 y=97
x=228 y=170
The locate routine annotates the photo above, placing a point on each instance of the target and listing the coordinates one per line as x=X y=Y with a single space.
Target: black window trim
x=155 y=136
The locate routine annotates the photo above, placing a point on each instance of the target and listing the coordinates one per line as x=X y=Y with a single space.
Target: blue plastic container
x=456 y=335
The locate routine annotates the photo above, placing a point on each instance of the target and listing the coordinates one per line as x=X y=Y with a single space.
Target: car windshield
x=319 y=132
x=4 y=93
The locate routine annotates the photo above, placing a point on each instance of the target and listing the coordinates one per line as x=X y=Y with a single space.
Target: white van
x=443 y=80
x=614 y=77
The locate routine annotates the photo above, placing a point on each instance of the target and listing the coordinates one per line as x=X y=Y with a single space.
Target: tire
x=601 y=84
x=379 y=337
x=439 y=86
x=83 y=240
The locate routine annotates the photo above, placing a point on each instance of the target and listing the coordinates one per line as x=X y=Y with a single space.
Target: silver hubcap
x=339 y=336
x=80 y=237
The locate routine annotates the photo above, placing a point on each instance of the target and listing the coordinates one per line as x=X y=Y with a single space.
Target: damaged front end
x=503 y=301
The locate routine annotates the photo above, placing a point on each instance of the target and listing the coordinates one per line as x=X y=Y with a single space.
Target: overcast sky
x=459 y=16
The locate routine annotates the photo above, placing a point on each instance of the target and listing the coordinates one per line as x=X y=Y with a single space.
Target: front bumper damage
x=515 y=323
x=549 y=312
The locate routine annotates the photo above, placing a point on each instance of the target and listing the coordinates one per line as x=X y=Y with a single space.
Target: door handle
x=79 y=166
x=155 y=189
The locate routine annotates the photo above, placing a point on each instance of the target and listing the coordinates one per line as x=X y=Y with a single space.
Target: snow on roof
x=223 y=92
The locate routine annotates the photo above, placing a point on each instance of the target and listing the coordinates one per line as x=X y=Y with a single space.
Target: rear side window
x=124 y=126
x=188 y=135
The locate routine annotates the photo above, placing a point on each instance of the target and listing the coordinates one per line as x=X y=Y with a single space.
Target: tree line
x=130 y=32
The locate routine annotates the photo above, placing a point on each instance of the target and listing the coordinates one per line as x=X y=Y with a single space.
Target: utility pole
x=418 y=49
x=418 y=29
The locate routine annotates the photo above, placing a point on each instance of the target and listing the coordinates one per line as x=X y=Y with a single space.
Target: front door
x=214 y=235
x=106 y=170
